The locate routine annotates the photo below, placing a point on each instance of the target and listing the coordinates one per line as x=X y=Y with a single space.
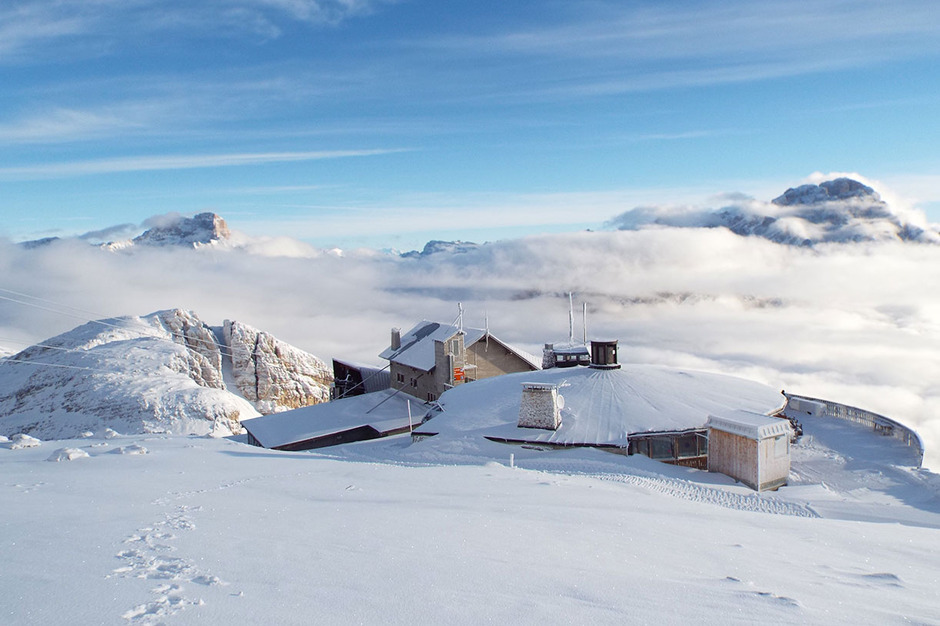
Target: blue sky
x=388 y=123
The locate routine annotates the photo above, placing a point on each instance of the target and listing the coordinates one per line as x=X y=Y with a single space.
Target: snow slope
x=186 y=530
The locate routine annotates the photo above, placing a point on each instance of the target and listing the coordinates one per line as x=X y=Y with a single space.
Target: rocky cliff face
x=201 y=229
x=273 y=375
x=164 y=372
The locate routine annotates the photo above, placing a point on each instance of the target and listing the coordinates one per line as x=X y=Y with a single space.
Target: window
x=400 y=377
x=661 y=448
x=414 y=383
x=431 y=397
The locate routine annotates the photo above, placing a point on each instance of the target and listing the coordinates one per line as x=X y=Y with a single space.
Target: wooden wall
x=734 y=456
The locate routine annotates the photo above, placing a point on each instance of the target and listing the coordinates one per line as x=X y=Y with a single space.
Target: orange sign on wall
x=458 y=373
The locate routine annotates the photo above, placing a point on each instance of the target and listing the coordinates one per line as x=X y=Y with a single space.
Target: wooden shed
x=750 y=447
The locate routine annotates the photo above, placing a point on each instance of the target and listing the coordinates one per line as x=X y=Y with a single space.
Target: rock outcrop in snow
x=836 y=211
x=273 y=375
x=165 y=372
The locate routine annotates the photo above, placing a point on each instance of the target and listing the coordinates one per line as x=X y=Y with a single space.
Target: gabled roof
x=417 y=345
x=534 y=361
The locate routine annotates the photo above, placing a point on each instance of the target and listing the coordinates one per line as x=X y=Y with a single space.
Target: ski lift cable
x=151 y=331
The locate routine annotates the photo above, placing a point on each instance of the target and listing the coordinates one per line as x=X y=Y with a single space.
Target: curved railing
x=878 y=423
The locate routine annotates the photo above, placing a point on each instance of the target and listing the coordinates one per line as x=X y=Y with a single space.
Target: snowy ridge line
x=152 y=333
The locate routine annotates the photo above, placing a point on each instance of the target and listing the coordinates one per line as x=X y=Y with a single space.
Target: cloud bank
x=855 y=323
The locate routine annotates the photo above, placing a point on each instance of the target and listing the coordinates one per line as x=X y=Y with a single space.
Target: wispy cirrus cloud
x=65 y=124
x=28 y=26
x=621 y=48
x=174 y=162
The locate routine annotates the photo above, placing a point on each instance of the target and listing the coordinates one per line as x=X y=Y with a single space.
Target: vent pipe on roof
x=396 y=338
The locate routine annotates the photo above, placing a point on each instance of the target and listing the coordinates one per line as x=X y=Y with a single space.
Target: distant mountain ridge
x=842 y=210
x=202 y=229
x=165 y=372
x=436 y=246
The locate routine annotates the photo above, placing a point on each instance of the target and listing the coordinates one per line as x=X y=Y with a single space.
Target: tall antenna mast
x=584 y=323
x=486 y=329
x=460 y=316
x=570 y=319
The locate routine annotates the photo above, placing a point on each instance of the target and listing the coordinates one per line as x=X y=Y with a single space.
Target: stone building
x=433 y=357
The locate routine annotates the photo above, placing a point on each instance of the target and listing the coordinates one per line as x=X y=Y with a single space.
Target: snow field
x=204 y=530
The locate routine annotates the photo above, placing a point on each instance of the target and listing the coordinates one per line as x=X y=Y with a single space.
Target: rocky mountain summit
x=165 y=372
x=437 y=246
x=836 y=211
x=201 y=229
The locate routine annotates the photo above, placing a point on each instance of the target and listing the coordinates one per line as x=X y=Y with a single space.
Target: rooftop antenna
x=486 y=329
x=584 y=323
x=460 y=317
x=570 y=319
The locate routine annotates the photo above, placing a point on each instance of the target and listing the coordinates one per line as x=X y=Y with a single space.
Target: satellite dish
x=561 y=402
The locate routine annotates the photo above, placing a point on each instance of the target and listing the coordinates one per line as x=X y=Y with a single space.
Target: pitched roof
x=417 y=345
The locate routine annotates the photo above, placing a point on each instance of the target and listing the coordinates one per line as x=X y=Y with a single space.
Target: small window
x=414 y=382
x=431 y=397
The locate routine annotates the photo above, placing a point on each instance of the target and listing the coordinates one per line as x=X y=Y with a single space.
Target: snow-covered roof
x=601 y=407
x=373 y=378
x=570 y=348
x=754 y=426
x=417 y=345
x=383 y=410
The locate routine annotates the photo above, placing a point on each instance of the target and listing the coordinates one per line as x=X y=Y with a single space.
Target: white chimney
x=396 y=338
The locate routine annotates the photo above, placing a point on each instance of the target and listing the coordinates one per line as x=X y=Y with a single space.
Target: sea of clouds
x=855 y=323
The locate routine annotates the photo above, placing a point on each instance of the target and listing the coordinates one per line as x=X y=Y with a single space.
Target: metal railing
x=878 y=423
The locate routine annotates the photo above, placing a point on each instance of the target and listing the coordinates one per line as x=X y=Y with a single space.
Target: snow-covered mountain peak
x=437 y=246
x=201 y=229
x=164 y=372
x=842 y=210
x=838 y=189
